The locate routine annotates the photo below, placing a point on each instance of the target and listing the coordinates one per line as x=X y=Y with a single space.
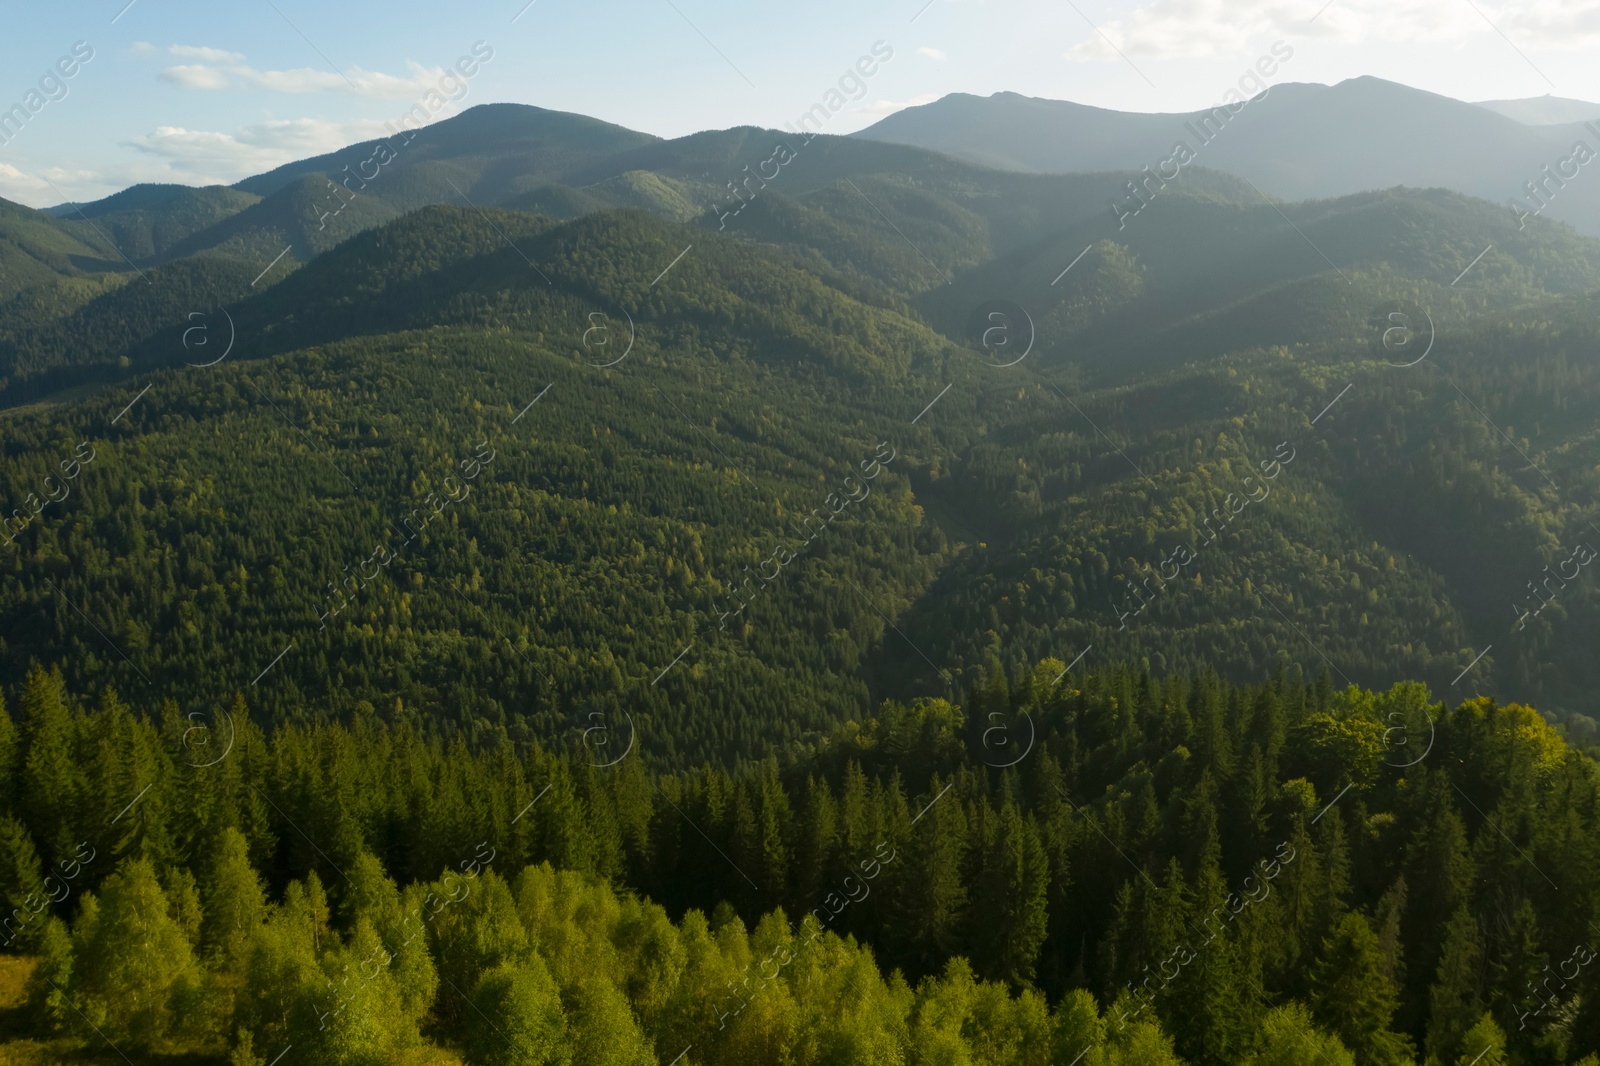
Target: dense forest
x=265 y=522
x=560 y=628
x=1101 y=865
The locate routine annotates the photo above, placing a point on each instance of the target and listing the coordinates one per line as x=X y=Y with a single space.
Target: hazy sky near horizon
x=204 y=93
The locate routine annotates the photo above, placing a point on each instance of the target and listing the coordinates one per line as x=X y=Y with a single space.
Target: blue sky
x=200 y=93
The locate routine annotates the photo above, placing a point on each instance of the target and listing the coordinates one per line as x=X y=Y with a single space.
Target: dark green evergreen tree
x=1351 y=998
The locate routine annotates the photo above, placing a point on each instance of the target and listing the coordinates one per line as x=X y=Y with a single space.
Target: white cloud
x=33 y=190
x=879 y=108
x=195 y=76
x=366 y=83
x=143 y=46
x=931 y=53
x=1554 y=24
x=1388 y=21
x=307 y=79
x=1172 y=29
x=215 y=157
x=1167 y=29
x=18 y=186
x=186 y=156
x=210 y=55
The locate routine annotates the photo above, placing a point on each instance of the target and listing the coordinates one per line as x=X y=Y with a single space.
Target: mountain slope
x=145 y=221
x=606 y=534
x=37 y=249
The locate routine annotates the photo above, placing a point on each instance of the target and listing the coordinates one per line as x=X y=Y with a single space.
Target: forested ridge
x=1024 y=516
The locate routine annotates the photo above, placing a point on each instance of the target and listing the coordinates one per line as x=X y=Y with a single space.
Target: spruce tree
x=1453 y=1003
x=50 y=783
x=776 y=833
x=23 y=893
x=10 y=758
x=1351 y=997
x=927 y=911
x=1213 y=1005
x=1439 y=876
x=233 y=901
x=818 y=837
x=1519 y=997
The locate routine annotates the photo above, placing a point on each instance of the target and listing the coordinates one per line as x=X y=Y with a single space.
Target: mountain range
x=1296 y=141
x=661 y=537
x=285 y=369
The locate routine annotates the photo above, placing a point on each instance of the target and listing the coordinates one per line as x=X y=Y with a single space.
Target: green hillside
x=146 y=222
x=1023 y=517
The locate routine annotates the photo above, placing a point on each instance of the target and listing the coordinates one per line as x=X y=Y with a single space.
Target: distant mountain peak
x=1546 y=110
x=1299 y=140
